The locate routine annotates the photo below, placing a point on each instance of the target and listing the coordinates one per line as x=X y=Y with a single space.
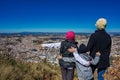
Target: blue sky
x=58 y=15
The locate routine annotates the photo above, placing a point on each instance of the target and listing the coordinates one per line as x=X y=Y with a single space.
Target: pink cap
x=70 y=35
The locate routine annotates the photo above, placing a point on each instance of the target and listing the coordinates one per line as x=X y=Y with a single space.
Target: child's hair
x=82 y=48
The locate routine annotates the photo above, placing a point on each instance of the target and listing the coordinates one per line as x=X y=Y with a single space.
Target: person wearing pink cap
x=70 y=35
x=67 y=68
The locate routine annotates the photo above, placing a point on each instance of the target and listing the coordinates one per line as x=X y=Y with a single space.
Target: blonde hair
x=101 y=23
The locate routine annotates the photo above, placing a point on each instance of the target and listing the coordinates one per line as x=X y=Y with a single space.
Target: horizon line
x=51 y=32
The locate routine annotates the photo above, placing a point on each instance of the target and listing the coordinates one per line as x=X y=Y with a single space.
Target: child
x=67 y=68
x=83 y=61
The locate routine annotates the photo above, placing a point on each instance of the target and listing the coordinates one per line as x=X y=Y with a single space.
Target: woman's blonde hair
x=101 y=23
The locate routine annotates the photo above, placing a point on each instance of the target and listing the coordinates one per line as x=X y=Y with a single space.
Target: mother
x=100 y=41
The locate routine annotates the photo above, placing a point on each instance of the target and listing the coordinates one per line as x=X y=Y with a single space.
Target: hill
x=11 y=69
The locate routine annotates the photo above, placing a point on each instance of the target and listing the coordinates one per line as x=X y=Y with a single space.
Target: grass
x=11 y=69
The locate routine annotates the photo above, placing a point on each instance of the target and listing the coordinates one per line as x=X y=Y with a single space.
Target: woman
x=100 y=41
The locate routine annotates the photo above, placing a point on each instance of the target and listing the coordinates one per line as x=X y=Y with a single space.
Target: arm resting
x=67 y=59
x=80 y=59
x=95 y=60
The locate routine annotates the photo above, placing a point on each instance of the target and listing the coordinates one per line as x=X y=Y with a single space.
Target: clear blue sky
x=58 y=15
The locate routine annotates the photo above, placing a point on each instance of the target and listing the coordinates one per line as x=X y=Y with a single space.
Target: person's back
x=64 y=47
x=102 y=43
x=67 y=43
x=85 y=72
x=67 y=71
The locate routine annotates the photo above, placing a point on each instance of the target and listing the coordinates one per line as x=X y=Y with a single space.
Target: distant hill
x=50 y=33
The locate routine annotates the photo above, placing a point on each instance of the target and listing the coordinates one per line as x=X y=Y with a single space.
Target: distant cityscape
x=27 y=45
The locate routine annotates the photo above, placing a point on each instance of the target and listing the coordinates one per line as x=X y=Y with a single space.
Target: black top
x=100 y=41
x=64 y=48
x=64 y=52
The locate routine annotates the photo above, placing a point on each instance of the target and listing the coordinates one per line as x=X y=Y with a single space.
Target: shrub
x=113 y=72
